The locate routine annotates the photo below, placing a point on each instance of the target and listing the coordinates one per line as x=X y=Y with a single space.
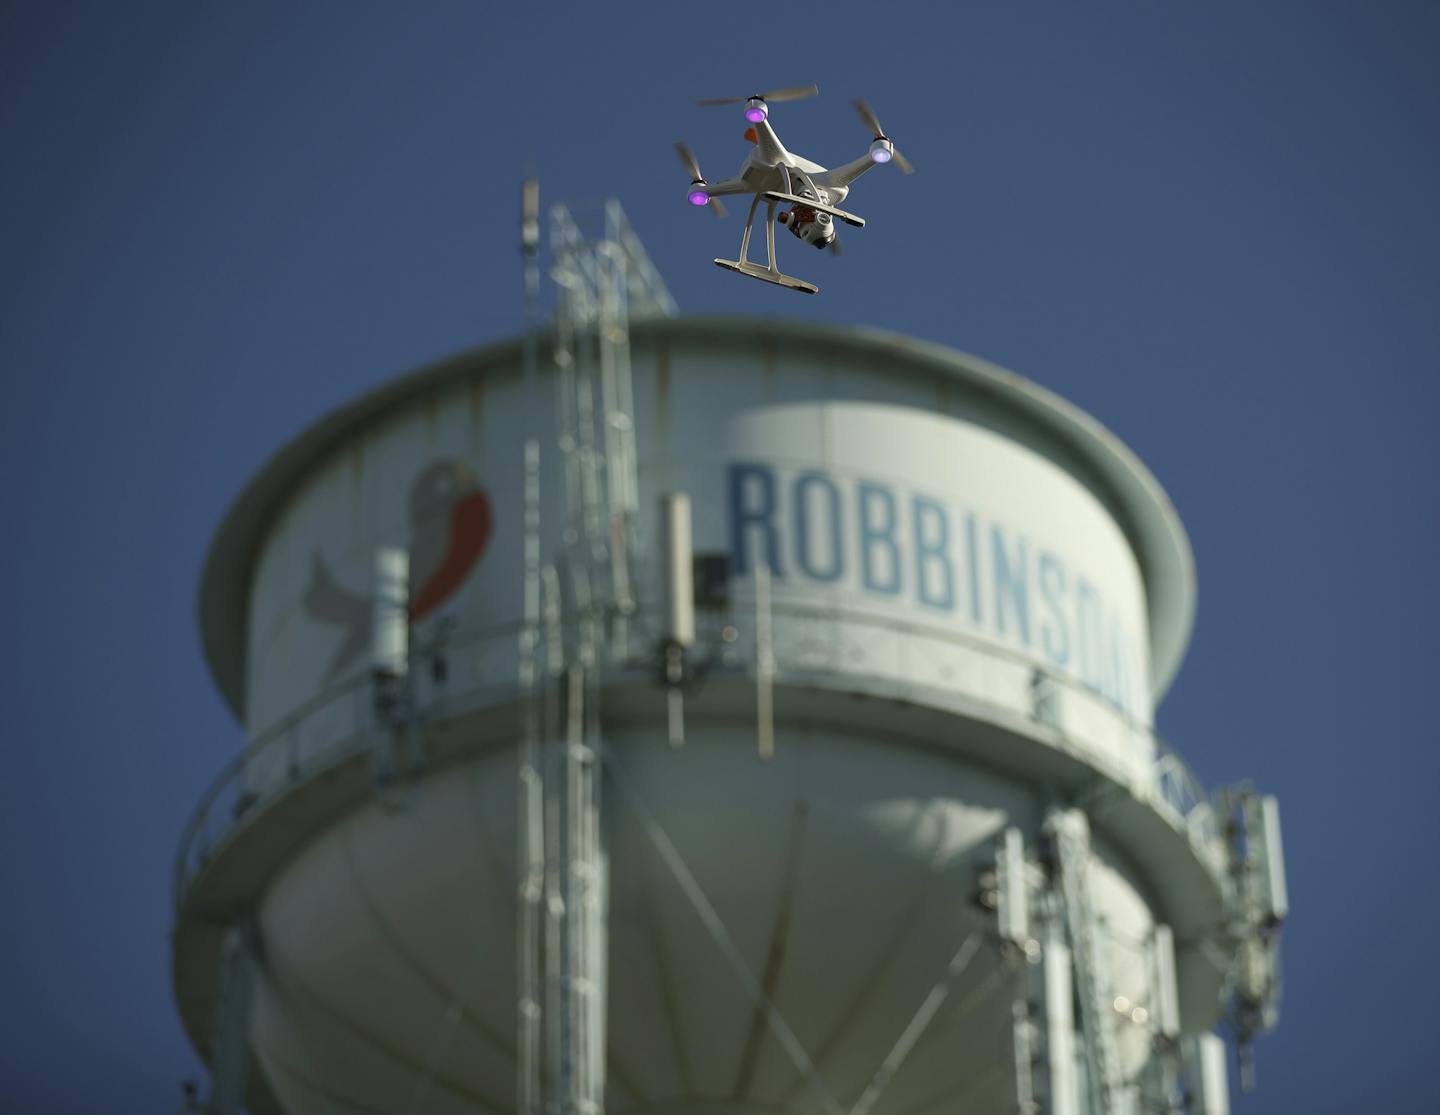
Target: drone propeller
x=687 y=158
x=793 y=93
x=692 y=164
x=868 y=116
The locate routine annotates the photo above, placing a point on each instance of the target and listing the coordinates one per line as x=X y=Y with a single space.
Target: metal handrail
x=285 y=732
x=1172 y=782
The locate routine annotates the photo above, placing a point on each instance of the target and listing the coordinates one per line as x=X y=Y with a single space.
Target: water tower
x=672 y=715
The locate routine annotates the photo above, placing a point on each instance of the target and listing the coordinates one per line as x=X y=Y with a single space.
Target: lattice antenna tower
x=579 y=609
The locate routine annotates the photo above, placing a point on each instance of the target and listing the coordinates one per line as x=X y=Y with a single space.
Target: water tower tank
x=971 y=596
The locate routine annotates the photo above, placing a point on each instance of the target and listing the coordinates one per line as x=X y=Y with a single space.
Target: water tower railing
x=1164 y=779
x=339 y=723
x=324 y=731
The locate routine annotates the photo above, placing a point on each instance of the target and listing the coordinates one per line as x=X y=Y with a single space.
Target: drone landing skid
x=770 y=274
x=755 y=271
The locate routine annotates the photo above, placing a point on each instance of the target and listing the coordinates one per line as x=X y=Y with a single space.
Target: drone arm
x=844 y=175
x=728 y=186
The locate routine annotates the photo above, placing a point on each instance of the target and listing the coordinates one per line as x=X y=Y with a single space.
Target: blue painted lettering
x=1012 y=595
x=806 y=484
x=1089 y=634
x=972 y=563
x=932 y=554
x=879 y=552
x=752 y=509
x=1054 y=630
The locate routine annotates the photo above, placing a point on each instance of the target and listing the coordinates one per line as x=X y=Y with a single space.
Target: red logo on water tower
x=450 y=525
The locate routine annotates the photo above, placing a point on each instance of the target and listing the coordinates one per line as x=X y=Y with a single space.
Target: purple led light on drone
x=879 y=155
x=755 y=114
x=699 y=197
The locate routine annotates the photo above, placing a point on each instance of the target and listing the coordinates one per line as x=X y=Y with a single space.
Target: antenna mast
x=585 y=603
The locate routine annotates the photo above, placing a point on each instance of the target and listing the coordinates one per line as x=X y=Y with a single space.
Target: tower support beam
x=230 y=1051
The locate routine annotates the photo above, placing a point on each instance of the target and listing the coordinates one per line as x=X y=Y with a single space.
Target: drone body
x=780 y=177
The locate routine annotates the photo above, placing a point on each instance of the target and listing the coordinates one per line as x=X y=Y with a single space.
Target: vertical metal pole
x=584 y=900
x=390 y=664
x=1165 y=1009
x=1204 y=1056
x=1160 y=1083
x=1012 y=894
x=575 y=867
x=530 y=248
x=532 y=808
x=1071 y=832
x=553 y=730
x=556 y=1067
x=585 y=906
x=1057 y=995
x=625 y=391
x=563 y=873
x=531 y=866
x=677 y=559
x=592 y=518
x=610 y=329
x=1013 y=920
x=584 y=626
x=764 y=665
x=570 y=314
x=230 y=1048
x=1022 y=1034
x=567 y=281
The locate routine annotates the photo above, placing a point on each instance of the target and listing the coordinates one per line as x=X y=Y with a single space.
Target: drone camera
x=809 y=226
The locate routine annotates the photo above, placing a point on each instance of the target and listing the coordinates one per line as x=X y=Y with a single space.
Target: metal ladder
x=579 y=607
x=1072 y=844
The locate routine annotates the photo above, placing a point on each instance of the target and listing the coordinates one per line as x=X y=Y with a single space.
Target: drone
x=781 y=177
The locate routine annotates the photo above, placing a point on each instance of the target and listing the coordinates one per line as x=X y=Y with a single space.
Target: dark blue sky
x=1213 y=226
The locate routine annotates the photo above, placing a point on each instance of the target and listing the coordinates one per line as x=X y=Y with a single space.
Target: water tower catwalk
x=664 y=715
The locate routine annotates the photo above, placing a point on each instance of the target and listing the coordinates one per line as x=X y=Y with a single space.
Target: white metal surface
x=1012 y=889
x=800 y=360
x=1166 y=1006
x=997 y=563
x=678 y=554
x=918 y=550
x=1205 y=1061
x=422 y=904
x=922 y=544
x=1270 y=856
x=390 y=625
x=1062 y=1091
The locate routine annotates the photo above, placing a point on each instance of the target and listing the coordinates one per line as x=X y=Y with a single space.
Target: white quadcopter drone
x=782 y=177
